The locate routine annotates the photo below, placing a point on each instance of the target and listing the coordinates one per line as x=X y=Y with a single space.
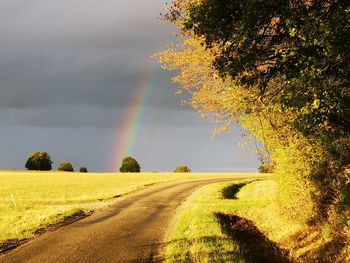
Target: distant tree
x=39 y=161
x=65 y=166
x=266 y=168
x=83 y=170
x=130 y=165
x=182 y=169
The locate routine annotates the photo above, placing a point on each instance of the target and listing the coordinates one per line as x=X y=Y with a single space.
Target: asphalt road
x=131 y=230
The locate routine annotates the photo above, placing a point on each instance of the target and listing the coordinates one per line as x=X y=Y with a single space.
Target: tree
x=266 y=168
x=303 y=44
x=129 y=165
x=39 y=161
x=65 y=166
x=83 y=170
x=182 y=169
x=280 y=69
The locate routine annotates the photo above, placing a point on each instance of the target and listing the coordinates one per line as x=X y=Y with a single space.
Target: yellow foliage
x=261 y=117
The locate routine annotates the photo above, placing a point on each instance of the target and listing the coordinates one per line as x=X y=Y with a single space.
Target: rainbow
x=135 y=118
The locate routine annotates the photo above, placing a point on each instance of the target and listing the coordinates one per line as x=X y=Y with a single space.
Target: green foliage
x=39 y=161
x=129 y=165
x=304 y=44
x=65 y=166
x=83 y=170
x=182 y=169
x=288 y=37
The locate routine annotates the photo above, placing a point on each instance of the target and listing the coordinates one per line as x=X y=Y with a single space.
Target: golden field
x=30 y=200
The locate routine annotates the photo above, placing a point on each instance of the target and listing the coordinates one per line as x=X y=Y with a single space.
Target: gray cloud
x=68 y=72
x=94 y=117
x=76 y=52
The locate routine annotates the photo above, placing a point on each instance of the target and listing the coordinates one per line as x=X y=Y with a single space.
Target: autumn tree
x=302 y=44
x=279 y=69
x=39 y=161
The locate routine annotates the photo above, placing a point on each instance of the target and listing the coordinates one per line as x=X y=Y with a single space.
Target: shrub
x=39 y=161
x=182 y=169
x=65 y=166
x=129 y=165
x=83 y=170
x=266 y=168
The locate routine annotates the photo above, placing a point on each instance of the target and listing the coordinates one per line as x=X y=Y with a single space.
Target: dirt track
x=131 y=230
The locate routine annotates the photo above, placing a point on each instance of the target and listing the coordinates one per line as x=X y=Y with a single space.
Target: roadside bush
x=129 y=165
x=266 y=168
x=65 y=166
x=182 y=169
x=83 y=170
x=39 y=161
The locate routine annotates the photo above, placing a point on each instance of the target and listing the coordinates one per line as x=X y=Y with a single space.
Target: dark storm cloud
x=90 y=116
x=68 y=71
x=77 y=52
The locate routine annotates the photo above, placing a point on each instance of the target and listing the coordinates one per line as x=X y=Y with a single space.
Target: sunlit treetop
x=305 y=44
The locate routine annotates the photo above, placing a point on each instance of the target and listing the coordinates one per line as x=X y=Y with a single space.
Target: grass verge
x=200 y=232
x=240 y=222
x=206 y=231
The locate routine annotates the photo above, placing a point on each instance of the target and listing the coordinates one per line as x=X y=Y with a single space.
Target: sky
x=77 y=80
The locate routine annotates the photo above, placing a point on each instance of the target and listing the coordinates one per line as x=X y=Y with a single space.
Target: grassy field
x=32 y=200
x=201 y=233
x=198 y=235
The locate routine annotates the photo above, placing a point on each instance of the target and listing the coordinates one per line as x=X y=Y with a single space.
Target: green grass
x=267 y=216
x=197 y=234
x=32 y=200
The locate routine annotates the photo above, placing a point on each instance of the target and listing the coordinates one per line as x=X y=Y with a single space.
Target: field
x=227 y=222
x=198 y=235
x=32 y=200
